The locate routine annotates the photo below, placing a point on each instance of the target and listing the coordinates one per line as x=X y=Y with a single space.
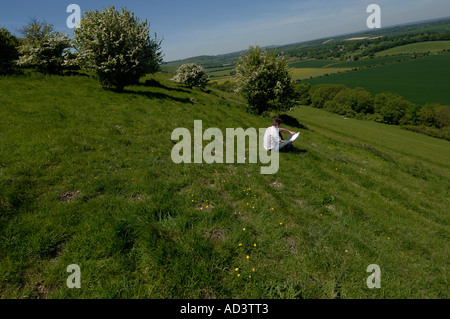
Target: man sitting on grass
x=273 y=137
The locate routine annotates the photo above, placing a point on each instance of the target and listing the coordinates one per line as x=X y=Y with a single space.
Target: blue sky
x=210 y=27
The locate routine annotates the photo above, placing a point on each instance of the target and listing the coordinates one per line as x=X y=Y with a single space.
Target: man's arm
x=283 y=130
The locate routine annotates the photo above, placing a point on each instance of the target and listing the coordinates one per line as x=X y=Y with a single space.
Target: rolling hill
x=438 y=25
x=415 y=48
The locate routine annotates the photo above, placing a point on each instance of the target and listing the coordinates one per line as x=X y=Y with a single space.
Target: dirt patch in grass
x=277 y=185
x=216 y=235
x=69 y=196
x=292 y=246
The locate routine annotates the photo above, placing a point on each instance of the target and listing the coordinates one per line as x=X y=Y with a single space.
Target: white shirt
x=272 y=138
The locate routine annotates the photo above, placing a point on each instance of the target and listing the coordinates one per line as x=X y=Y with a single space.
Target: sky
x=211 y=27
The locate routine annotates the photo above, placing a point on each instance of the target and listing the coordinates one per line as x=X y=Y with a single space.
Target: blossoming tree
x=117 y=46
x=191 y=74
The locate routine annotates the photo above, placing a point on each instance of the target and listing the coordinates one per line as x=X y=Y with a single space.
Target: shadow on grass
x=292 y=121
x=294 y=150
x=158 y=95
x=156 y=84
x=75 y=73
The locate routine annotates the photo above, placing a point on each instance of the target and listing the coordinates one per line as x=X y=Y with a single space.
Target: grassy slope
x=143 y=227
x=420 y=80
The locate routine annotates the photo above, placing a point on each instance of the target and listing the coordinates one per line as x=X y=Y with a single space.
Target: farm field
x=298 y=74
x=219 y=73
x=369 y=62
x=87 y=178
x=422 y=47
x=304 y=70
x=420 y=80
x=313 y=64
x=347 y=64
x=303 y=74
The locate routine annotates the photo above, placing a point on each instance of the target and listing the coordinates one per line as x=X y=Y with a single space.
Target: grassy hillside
x=415 y=48
x=86 y=178
x=420 y=80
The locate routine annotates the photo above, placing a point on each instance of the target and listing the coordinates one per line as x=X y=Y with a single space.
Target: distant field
x=368 y=62
x=297 y=74
x=219 y=72
x=311 y=64
x=304 y=74
x=346 y=64
x=421 y=47
x=420 y=80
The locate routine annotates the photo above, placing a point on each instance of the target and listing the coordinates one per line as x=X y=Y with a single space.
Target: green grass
x=420 y=80
x=86 y=178
x=415 y=48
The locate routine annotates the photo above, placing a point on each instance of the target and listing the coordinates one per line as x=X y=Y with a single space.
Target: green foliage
x=426 y=116
x=442 y=116
x=264 y=81
x=357 y=100
x=324 y=92
x=434 y=115
x=191 y=74
x=9 y=52
x=303 y=95
x=391 y=107
x=44 y=48
x=117 y=46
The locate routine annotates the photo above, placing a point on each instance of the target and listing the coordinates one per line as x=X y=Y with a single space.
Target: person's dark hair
x=277 y=121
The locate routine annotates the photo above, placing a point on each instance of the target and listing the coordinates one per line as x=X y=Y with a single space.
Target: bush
x=191 y=74
x=117 y=46
x=9 y=52
x=302 y=91
x=263 y=79
x=43 y=48
x=391 y=107
x=358 y=100
x=324 y=92
x=426 y=116
x=442 y=116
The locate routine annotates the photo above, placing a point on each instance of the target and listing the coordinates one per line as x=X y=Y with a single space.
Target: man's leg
x=287 y=144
